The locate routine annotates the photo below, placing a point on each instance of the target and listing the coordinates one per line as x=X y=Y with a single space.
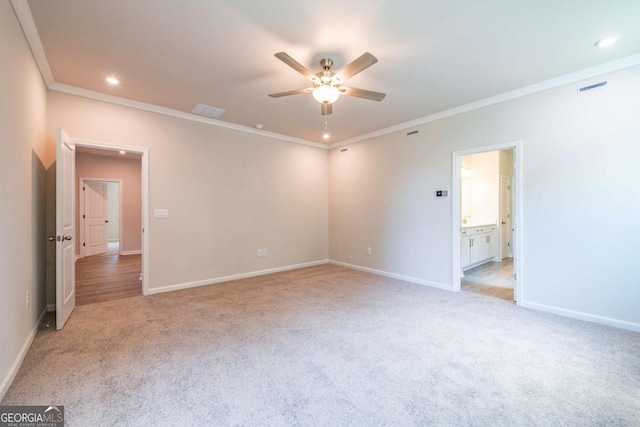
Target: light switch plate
x=161 y=213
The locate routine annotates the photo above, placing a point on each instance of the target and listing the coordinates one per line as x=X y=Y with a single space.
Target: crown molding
x=73 y=90
x=626 y=62
x=25 y=18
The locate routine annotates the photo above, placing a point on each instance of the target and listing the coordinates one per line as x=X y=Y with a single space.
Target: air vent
x=207 y=111
x=593 y=86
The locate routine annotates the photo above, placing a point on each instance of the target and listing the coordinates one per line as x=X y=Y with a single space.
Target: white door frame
x=81 y=183
x=144 y=152
x=516 y=215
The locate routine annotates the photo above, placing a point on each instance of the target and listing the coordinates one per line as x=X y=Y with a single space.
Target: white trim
x=131 y=252
x=15 y=367
x=587 y=73
x=144 y=152
x=59 y=87
x=623 y=324
x=213 y=281
x=393 y=275
x=25 y=18
x=516 y=215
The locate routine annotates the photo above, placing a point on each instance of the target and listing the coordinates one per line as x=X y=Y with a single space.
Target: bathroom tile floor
x=494 y=279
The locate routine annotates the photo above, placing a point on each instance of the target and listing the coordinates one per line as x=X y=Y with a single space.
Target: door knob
x=66 y=238
x=51 y=238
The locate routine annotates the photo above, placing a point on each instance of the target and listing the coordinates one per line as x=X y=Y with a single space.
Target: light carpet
x=332 y=346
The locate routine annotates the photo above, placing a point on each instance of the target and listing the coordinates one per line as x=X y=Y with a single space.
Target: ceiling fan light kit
x=327 y=85
x=326 y=94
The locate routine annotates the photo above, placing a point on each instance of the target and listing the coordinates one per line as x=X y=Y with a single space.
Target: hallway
x=107 y=277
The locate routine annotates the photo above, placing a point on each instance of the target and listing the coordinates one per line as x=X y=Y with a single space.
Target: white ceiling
x=433 y=55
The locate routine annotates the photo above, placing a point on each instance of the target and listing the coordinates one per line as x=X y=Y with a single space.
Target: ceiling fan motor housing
x=326 y=63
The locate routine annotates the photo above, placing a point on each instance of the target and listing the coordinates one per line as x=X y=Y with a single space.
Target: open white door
x=505 y=217
x=65 y=228
x=95 y=213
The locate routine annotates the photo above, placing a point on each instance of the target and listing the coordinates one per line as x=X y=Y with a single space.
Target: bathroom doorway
x=485 y=232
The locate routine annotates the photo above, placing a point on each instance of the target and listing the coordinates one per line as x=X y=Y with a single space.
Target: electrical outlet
x=368 y=251
x=28 y=298
x=259 y=252
x=264 y=251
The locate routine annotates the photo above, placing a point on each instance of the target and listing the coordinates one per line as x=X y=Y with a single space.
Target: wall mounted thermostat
x=442 y=193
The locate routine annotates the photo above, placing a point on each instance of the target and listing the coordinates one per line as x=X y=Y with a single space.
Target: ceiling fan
x=327 y=85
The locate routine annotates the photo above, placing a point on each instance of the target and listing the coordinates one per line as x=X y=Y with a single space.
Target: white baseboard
x=213 y=281
x=51 y=308
x=131 y=252
x=8 y=379
x=394 y=275
x=623 y=324
x=478 y=264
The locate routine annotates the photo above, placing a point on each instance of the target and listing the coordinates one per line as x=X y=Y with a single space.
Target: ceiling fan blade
x=362 y=93
x=282 y=56
x=327 y=109
x=363 y=62
x=291 y=92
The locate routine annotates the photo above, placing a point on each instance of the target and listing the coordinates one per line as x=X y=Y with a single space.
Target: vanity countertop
x=477 y=225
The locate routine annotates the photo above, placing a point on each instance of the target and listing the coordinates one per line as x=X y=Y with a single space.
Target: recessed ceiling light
x=326 y=135
x=112 y=80
x=123 y=152
x=607 y=42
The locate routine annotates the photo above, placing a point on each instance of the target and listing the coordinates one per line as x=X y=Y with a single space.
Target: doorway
x=486 y=209
x=99 y=216
x=66 y=237
x=109 y=195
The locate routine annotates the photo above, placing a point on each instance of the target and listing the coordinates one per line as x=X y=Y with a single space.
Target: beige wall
x=581 y=206
x=129 y=171
x=228 y=193
x=23 y=164
x=506 y=163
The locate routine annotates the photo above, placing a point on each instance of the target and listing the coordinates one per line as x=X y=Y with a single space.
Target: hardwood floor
x=494 y=279
x=102 y=278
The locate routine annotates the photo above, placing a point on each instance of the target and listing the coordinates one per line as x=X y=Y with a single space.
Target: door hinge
x=83 y=244
x=515 y=276
x=82 y=188
x=83 y=217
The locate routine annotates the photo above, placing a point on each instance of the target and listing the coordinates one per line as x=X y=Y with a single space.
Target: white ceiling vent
x=593 y=86
x=208 y=111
